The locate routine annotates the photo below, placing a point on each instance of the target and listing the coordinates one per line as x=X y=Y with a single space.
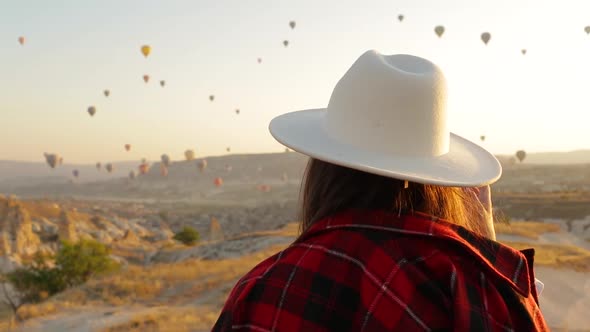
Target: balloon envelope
x=259 y=60
x=238 y=111
x=218 y=182
x=162 y=83
x=520 y=154
x=106 y=93
x=400 y=17
x=146 y=78
x=165 y=160
x=146 y=50
x=189 y=155
x=439 y=30
x=292 y=24
x=211 y=98
x=21 y=40
x=144 y=168
x=587 y=29
x=109 y=168
x=91 y=110
x=523 y=51
x=482 y=138
x=202 y=165
x=285 y=43
x=98 y=166
x=127 y=147
x=52 y=159
x=485 y=37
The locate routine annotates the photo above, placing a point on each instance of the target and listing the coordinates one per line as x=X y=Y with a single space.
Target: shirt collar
x=509 y=264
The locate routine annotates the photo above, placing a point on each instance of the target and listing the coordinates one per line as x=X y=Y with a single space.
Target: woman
x=394 y=237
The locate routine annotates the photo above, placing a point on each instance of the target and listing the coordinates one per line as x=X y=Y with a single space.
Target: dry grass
x=558 y=256
x=168 y=319
x=528 y=229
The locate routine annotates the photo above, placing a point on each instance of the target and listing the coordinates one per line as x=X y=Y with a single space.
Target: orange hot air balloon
x=21 y=40
x=127 y=147
x=146 y=50
x=146 y=78
x=144 y=168
x=264 y=188
x=218 y=182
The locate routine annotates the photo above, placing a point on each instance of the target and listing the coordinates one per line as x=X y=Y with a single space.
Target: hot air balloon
x=146 y=78
x=485 y=37
x=144 y=168
x=165 y=160
x=285 y=43
x=109 y=167
x=287 y=150
x=106 y=93
x=400 y=18
x=127 y=147
x=292 y=24
x=218 y=182
x=146 y=50
x=211 y=98
x=21 y=40
x=587 y=29
x=439 y=30
x=162 y=83
x=75 y=173
x=520 y=154
x=91 y=110
x=264 y=188
x=237 y=111
x=482 y=138
x=228 y=168
x=523 y=51
x=98 y=166
x=189 y=155
x=202 y=164
x=259 y=60
x=163 y=170
x=132 y=175
x=52 y=159
x=228 y=149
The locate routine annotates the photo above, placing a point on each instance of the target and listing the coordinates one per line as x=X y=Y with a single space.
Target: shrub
x=78 y=262
x=188 y=235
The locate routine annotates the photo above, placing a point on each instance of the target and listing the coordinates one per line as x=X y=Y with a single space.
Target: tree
x=78 y=262
x=188 y=235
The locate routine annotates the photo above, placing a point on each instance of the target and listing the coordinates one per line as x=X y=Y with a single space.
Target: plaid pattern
x=375 y=271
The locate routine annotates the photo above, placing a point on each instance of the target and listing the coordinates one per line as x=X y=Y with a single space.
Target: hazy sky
x=76 y=49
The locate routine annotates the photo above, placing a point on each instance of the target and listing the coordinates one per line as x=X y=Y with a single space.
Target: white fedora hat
x=387 y=116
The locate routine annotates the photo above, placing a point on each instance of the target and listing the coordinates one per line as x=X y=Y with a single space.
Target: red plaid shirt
x=375 y=271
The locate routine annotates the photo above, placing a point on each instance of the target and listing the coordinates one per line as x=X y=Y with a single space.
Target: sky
x=76 y=49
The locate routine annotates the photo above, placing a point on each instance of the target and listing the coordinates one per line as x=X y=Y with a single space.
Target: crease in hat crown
x=392 y=104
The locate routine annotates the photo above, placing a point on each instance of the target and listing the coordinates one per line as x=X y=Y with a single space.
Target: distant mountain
x=556 y=158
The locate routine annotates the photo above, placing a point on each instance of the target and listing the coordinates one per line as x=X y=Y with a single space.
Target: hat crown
x=392 y=104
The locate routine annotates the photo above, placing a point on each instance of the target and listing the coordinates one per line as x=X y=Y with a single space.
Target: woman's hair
x=328 y=189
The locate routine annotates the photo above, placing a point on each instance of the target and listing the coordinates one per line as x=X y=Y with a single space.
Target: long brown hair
x=328 y=189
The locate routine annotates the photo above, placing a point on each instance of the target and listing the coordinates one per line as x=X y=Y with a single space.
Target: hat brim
x=465 y=165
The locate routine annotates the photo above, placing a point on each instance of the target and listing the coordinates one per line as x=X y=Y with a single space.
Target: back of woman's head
x=329 y=189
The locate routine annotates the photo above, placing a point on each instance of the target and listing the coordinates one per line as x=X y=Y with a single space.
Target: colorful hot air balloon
x=146 y=50
x=132 y=175
x=202 y=165
x=292 y=24
x=109 y=167
x=189 y=155
x=587 y=29
x=165 y=160
x=523 y=51
x=285 y=43
x=400 y=18
x=21 y=40
x=439 y=30
x=162 y=83
x=98 y=166
x=163 y=170
x=91 y=110
x=237 y=111
x=127 y=147
x=218 y=182
x=520 y=154
x=144 y=168
x=106 y=93
x=482 y=138
x=52 y=159
x=146 y=78
x=211 y=97
x=76 y=173
x=485 y=37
